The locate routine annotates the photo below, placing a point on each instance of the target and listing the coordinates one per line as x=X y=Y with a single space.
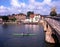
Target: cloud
x=4 y=10
x=31 y=1
x=15 y=3
x=47 y=1
x=43 y=7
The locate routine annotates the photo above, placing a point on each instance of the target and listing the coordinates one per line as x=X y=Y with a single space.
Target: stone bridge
x=52 y=28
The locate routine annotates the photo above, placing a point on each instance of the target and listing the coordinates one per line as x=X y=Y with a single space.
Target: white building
x=36 y=18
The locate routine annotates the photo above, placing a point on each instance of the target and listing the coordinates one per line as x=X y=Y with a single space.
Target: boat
x=22 y=34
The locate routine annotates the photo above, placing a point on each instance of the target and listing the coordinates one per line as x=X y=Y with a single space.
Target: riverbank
x=19 y=23
x=10 y=23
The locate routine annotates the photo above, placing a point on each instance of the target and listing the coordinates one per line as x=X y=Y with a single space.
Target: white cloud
x=38 y=7
x=15 y=3
x=47 y=1
x=23 y=4
x=31 y=1
x=4 y=10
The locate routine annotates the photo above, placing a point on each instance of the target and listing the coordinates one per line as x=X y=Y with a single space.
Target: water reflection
x=5 y=26
x=33 y=28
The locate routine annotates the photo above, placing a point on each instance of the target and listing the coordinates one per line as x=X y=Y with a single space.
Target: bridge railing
x=55 y=24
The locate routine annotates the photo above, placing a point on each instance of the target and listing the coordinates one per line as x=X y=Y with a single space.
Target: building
x=20 y=17
x=11 y=17
x=34 y=17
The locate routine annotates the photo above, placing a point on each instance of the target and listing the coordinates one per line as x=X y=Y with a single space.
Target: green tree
x=53 y=12
x=29 y=12
x=5 y=18
x=13 y=14
x=13 y=19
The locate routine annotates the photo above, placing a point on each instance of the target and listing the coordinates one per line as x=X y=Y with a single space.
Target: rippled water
x=8 y=39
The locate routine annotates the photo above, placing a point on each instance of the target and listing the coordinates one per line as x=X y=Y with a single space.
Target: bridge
x=52 y=28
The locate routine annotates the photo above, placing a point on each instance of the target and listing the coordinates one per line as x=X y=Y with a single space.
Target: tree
x=5 y=18
x=13 y=19
x=53 y=12
x=29 y=12
x=13 y=14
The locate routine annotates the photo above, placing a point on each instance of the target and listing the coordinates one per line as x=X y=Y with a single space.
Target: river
x=9 y=39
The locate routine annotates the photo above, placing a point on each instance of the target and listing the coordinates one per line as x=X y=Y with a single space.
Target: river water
x=10 y=36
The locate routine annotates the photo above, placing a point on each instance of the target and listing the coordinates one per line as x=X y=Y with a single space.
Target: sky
x=43 y=7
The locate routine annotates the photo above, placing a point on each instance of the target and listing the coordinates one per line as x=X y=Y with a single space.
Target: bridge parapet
x=51 y=25
x=54 y=23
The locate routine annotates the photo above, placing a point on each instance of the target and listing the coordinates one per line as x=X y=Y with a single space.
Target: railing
x=55 y=24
